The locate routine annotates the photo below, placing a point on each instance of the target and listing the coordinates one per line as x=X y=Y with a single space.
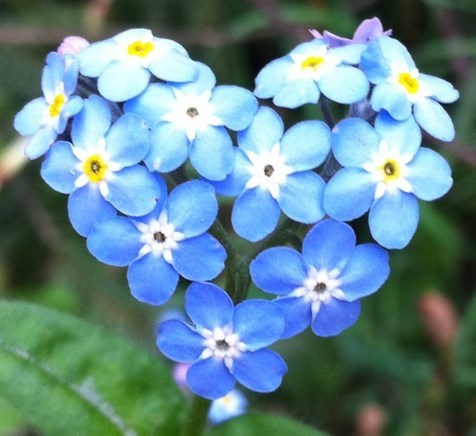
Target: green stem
x=197 y=417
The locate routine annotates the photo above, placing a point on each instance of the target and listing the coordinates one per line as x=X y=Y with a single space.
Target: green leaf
x=67 y=376
x=259 y=425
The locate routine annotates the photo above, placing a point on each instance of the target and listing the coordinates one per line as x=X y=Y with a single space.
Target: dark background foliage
x=409 y=364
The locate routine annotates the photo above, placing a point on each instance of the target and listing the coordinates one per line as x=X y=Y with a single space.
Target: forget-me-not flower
x=225 y=344
x=168 y=242
x=44 y=118
x=100 y=169
x=273 y=173
x=403 y=91
x=124 y=64
x=384 y=170
x=189 y=120
x=321 y=286
x=310 y=69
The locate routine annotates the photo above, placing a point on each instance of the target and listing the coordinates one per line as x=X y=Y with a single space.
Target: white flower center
x=312 y=65
x=223 y=344
x=268 y=170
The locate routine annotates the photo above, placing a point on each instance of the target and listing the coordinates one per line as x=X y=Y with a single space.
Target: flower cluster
x=141 y=138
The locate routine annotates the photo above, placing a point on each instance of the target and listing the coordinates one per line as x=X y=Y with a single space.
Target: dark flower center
x=192 y=112
x=268 y=170
x=159 y=237
x=222 y=345
x=95 y=167
x=320 y=288
x=389 y=169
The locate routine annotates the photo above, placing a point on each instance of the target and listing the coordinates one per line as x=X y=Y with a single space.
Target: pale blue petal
x=349 y=194
x=255 y=214
x=441 y=90
x=260 y=371
x=297 y=92
x=297 y=312
x=273 y=77
x=349 y=54
x=279 y=270
x=335 y=316
x=178 y=341
x=210 y=378
x=328 y=245
x=393 y=219
x=434 y=119
x=200 y=258
x=429 y=174
x=116 y=241
x=40 y=142
x=344 y=84
x=208 y=306
x=300 y=197
x=174 y=66
x=71 y=108
x=94 y=59
x=204 y=81
x=152 y=280
x=308 y=48
x=365 y=272
x=393 y=99
x=70 y=77
x=52 y=74
x=30 y=118
x=235 y=181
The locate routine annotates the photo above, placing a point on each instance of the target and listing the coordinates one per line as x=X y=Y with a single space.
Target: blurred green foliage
x=388 y=358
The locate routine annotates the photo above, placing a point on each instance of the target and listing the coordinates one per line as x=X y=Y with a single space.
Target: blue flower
x=311 y=68
x=100 y=168
x=322 y=286
x=403 y=91
x=168 y=242
x=386 y=171
x=123 y=64
x=230 y=406
x=45 y=117
x=273 y=173
x=190 y=119
x=225 y=344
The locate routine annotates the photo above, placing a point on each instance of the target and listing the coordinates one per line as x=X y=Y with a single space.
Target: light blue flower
x=225 y=344
x=321 y=287
x=100 y=168
x=190 y=119
x=124 y=64
x=230 y=406
x=403 y=91
x=273 y=173
x=310 y=69
x=44 y=118
x=384 y=170
x=169 y=242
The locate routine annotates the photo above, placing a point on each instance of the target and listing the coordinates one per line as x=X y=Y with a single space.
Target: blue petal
x=434 y=119
x=260 y=371
x=152 y=280
x=349 y=194
x=210 y=378
x=403 y=137
x=349 y=54
x=300 y=197
x=204 y=81
x=59 y=169
x=174 y=66
x=40 y=142
x=121 y=81
x=52 y=74
x=273 y=77
x=264 y=132
x=192 y=208
x=393 y=99
x=441 y=90
x=235 y=106
x=115 y=241
x=169 y=148
x=344 y=84
x=208 y=306
x=258 y=323
x=297 y=92
x=328 y=245
x=393 y=219
x=179 y=342
x=255 y=214
x=127 y=141
x=279 y=270
x=86 y=207
x=211 y=153
x=30 y=118
x=133 y=191
x=297 y=312
x=306 y=145
x=91 y=124
x=70 y=76
x=94 y=59
x=200 y=258
x=429 y=174
x=235 y=181
x=335 y=316
x=72 y=107
x=354 y=141
x=365 y=272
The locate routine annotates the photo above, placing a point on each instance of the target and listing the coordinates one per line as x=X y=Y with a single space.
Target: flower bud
x=72 y=45
x=371 y=420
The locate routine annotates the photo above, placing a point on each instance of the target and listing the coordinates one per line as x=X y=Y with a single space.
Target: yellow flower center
x=410 y=83
x=139 y=48
x=312 y=62
x=390 y=170
x=95 y=168
x=57 y=105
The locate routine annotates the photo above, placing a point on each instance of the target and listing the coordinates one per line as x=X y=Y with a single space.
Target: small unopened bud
x=439 y=318
x=179 y=374
x=371 y=420
x=72 y=45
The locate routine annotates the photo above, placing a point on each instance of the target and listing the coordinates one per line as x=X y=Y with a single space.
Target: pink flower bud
x=371 y=420
x=72 y=45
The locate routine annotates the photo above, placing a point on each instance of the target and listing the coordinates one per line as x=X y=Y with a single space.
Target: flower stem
x=197 y=417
